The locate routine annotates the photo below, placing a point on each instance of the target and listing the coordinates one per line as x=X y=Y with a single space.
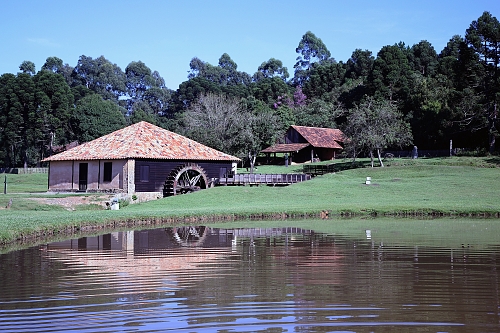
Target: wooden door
x=83 y=177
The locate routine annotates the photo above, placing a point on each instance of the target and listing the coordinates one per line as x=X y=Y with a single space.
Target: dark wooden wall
x=292 y=136
x=159 y=171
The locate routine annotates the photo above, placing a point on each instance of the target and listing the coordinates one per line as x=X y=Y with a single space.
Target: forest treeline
x=402 y=96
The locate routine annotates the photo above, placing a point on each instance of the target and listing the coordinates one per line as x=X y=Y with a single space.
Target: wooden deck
x=264 y=179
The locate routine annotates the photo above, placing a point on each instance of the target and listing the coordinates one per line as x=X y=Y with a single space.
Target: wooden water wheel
x=185 y=178
x=189 y=235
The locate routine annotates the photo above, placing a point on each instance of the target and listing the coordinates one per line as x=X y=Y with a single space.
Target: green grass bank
x=458 y=186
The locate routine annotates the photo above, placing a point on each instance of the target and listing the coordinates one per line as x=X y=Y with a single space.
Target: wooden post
x=5 y=185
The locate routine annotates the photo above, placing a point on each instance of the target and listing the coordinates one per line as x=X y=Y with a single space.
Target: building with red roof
x=141 y=159
x=303 y=143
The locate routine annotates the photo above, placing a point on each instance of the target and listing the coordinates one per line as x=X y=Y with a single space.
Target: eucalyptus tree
x=139 y=79
x=225 y=73
x=27 y=67
x=205 y=78
x=311 y=50
x=55 y=65
x=101 y=76
x=270 y=69
x=146 y=90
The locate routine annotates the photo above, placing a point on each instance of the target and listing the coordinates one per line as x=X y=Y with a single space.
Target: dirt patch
x=71 y=202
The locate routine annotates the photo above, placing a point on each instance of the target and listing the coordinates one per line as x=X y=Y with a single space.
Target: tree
x=20 y=121
x=34 y=114
x=424 y=58
x=375 y=125
x=359 y=64
x=147 y=90
x=225 y=73
x=299 y=98
x=205 y=78
x=139 y=79
x=55 y=104
x=10 y=120
x=101 y=76
x=266 y=127
x=323 y=78
x=428 y=103
x=236 y=126
x=270 y=69
x=269 y=89
x=483 y=37
x=27 y=67
x=229 y=73
x=219 y=122
x=94 y=117
x=391 y=73
x=318 y=113
x=311 y=50
x=448 y=58
x=55 y=65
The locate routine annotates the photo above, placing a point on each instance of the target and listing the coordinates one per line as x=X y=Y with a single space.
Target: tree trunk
x=380 y=158
x=371 y=157
x=25 y=158
x=354 y=154
x=251 y=160
x=492 y=132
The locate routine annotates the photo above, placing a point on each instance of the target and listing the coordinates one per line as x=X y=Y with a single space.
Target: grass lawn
x=450 y=186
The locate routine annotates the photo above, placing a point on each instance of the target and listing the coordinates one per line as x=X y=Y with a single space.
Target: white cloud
x=43 y=42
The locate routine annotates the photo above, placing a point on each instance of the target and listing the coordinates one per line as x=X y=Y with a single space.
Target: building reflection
x=146 y=241
x=198 y=267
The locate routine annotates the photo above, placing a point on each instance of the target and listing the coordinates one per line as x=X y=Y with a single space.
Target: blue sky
x=166 y=35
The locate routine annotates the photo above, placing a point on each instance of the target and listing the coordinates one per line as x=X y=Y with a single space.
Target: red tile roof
x=285 y=147
x=142 y=140
x=321 y=137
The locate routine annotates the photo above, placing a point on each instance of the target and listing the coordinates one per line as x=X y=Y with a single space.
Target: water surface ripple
x=198 y=279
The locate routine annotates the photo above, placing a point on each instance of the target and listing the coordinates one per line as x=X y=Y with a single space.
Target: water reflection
x=201 y=279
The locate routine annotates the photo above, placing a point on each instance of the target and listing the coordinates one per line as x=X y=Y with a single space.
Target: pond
x=283 y=279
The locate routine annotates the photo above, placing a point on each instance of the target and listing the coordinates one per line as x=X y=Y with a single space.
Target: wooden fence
x=24 y=170
x=318 y=169
x=264 y=179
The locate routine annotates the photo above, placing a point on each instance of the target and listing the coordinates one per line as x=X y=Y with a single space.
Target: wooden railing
x=264 y=179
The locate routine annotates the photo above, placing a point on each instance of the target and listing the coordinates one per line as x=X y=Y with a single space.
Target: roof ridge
x=143 y=140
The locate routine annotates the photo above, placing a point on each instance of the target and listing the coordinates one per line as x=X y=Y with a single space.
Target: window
x=108 y=167
x=144 y=173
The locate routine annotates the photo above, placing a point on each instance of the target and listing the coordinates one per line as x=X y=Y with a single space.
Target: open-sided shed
x=303 y=143
x=141 y=159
